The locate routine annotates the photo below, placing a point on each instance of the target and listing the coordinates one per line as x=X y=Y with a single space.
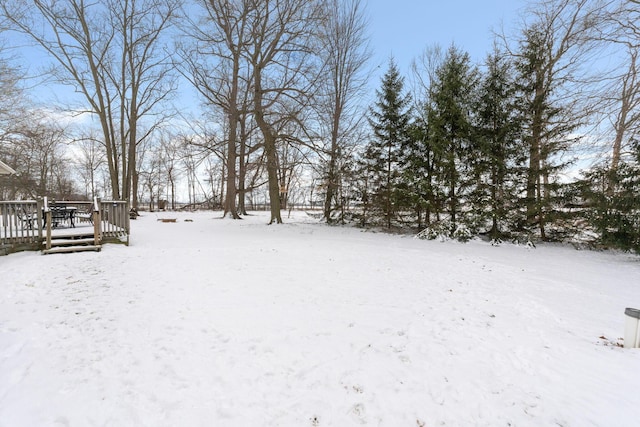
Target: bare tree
x=345 y=53
x=11 y=115
x=191 y=161
x=554 y=47
x=424 y=81
x=170 y=146
x=280 y=55
x=151 y=176
x=249 y=161
x=622 y=97
x=145 y=78
x=91 y=158
x=111 y=53
x=423 y=74
x=11 y=98
x=291 y=160
x=627 y=117
x=254 y=60
x=41 y=160
x=218 y=71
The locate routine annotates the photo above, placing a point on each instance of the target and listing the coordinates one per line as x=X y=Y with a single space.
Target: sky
x=404 y=28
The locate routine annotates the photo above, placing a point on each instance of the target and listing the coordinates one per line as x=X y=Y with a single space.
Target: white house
x=5 y=169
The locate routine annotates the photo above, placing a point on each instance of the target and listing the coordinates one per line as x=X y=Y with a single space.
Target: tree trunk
x=453 y=202
x=271 y=153
x=242 y=168
x=272 y=171
x=230 y=207
x=331 y=187
x=332 y=174
x=533 y=176
x=135 y=183
x=628 y=99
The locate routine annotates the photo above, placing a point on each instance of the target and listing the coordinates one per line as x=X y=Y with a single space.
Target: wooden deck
x=24 y=226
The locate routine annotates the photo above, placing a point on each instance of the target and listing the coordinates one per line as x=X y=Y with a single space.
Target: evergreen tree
x=418 y=165
x=614 y=199
x=451 y=129
x=498 y=150
x=550 y=63
x=389 y=120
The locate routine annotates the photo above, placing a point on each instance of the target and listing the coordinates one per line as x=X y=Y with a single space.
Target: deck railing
x=114 y=221
x=27 y=224
x=20 y=225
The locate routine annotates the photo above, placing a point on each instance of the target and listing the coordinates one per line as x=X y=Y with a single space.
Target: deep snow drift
x=216 y=322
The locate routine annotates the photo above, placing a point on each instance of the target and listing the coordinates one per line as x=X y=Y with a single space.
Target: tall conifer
x=451 y=128
x=389 y=120
x=499 y=151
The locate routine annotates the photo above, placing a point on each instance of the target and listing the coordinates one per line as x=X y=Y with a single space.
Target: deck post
x=127 y=221
x=39 y=216
x=97 y=221
x=47 y=218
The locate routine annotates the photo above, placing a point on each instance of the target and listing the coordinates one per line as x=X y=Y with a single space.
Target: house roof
x=5 y=169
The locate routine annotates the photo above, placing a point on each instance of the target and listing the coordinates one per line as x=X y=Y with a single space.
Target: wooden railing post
x=39 y=216
x=4 y=215
x=127 y=221
x=47 y=219
x=97 y=221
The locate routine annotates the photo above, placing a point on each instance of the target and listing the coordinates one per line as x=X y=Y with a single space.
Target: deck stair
x=72 y=243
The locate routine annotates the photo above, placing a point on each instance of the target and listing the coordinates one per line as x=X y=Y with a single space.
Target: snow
x=214 y=322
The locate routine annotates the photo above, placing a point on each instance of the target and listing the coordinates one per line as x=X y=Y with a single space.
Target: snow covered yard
x=235 y=323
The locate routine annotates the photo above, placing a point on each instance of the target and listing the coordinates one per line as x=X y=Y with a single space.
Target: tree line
x=462 y=149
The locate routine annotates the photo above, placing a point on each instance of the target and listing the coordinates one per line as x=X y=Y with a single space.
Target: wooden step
x=71 y=236
x=72 y=242
x=71 y=249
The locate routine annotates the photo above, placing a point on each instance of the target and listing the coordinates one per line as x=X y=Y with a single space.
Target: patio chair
x=27 y=219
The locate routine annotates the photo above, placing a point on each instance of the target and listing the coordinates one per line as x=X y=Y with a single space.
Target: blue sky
x=403 y=28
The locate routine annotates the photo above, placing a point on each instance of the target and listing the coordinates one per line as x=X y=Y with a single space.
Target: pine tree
x=498 y=150
x=551 y=66
x=389 y=120
x=418 y=165
x=451 y=129
x=614 y=199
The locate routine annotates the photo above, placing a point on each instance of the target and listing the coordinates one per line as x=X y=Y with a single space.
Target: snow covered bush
x=462 y=233
x=437 y=230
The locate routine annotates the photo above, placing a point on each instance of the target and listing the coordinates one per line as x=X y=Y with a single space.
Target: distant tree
x=292 y=158
x=389 y=119
x=171 y=164
x=13 y=105
x=191 y=161
x=12 y=98
x=250 y=162
x=41 y=161
x=90 y=160
x=151 y=175
x=111 y=53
